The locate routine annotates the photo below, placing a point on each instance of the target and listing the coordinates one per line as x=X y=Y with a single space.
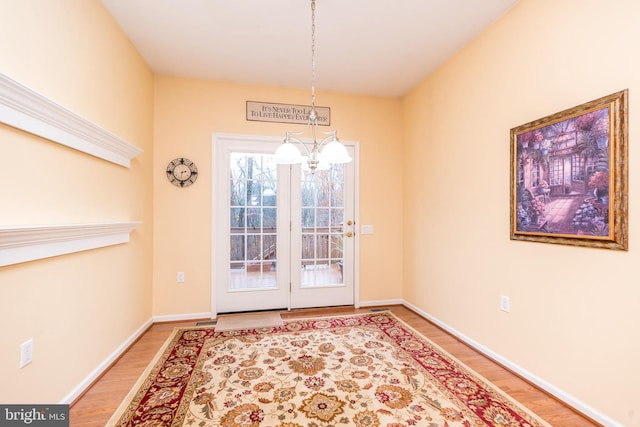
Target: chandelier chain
x=321 y=154
x=313 y=57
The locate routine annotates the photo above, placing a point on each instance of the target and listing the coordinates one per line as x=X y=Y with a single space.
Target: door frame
x=216 y=211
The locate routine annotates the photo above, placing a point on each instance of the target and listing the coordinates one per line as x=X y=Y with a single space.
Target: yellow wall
x=77 y=308
x=435 y=165
x=574 y=311
x=188 y=111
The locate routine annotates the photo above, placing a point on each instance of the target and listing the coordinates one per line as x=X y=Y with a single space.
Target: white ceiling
x=374 y=47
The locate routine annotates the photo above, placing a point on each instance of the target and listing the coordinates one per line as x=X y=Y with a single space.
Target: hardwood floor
x=97 y=405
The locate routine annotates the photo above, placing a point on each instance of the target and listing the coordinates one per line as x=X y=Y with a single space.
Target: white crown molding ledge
x=24 y=109
x=29 y=243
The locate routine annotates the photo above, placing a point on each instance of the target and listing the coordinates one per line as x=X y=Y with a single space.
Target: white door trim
x=218 y=192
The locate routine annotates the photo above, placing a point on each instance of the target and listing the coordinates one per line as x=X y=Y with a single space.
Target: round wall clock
x=182 y=172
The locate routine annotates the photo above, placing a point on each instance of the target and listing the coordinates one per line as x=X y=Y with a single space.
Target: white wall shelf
x=28 y=243
x=31 y=112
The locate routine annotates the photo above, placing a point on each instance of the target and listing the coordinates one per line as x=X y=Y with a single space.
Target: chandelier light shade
x=288 y=154
x=334 y=152
x=325 y=148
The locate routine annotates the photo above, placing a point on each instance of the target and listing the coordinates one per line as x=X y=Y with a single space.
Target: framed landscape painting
x=569 y=176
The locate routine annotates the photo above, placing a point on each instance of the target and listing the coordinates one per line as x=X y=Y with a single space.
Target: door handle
x=349 y=222
x=348 y=234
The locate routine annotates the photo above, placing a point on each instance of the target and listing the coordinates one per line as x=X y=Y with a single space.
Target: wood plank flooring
x=97 y=405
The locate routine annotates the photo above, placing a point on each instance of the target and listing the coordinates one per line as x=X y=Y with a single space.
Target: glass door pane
x=253 y=225
x=322 y=227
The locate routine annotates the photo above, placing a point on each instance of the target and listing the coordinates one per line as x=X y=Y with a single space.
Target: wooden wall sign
x=285 y=113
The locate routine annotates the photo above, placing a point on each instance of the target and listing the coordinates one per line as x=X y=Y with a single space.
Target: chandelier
x=325 y=149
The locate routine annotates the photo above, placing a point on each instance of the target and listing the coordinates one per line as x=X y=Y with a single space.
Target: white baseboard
x=539 y=382
x=381 y=302
x=106 y=364
x=95 y=374
x=180 y=317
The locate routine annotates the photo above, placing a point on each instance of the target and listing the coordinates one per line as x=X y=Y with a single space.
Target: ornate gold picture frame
x=569 y=176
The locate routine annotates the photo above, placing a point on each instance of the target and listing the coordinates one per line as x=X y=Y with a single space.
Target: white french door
x=283 y=237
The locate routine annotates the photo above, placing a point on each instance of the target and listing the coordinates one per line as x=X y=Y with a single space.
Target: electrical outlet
x=180 y=277
x=505 y=303
x=26 y=353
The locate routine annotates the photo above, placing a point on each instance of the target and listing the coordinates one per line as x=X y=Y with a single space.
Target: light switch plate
x=366 y=229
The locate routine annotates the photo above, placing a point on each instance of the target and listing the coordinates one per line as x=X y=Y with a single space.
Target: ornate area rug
x=359 y=370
